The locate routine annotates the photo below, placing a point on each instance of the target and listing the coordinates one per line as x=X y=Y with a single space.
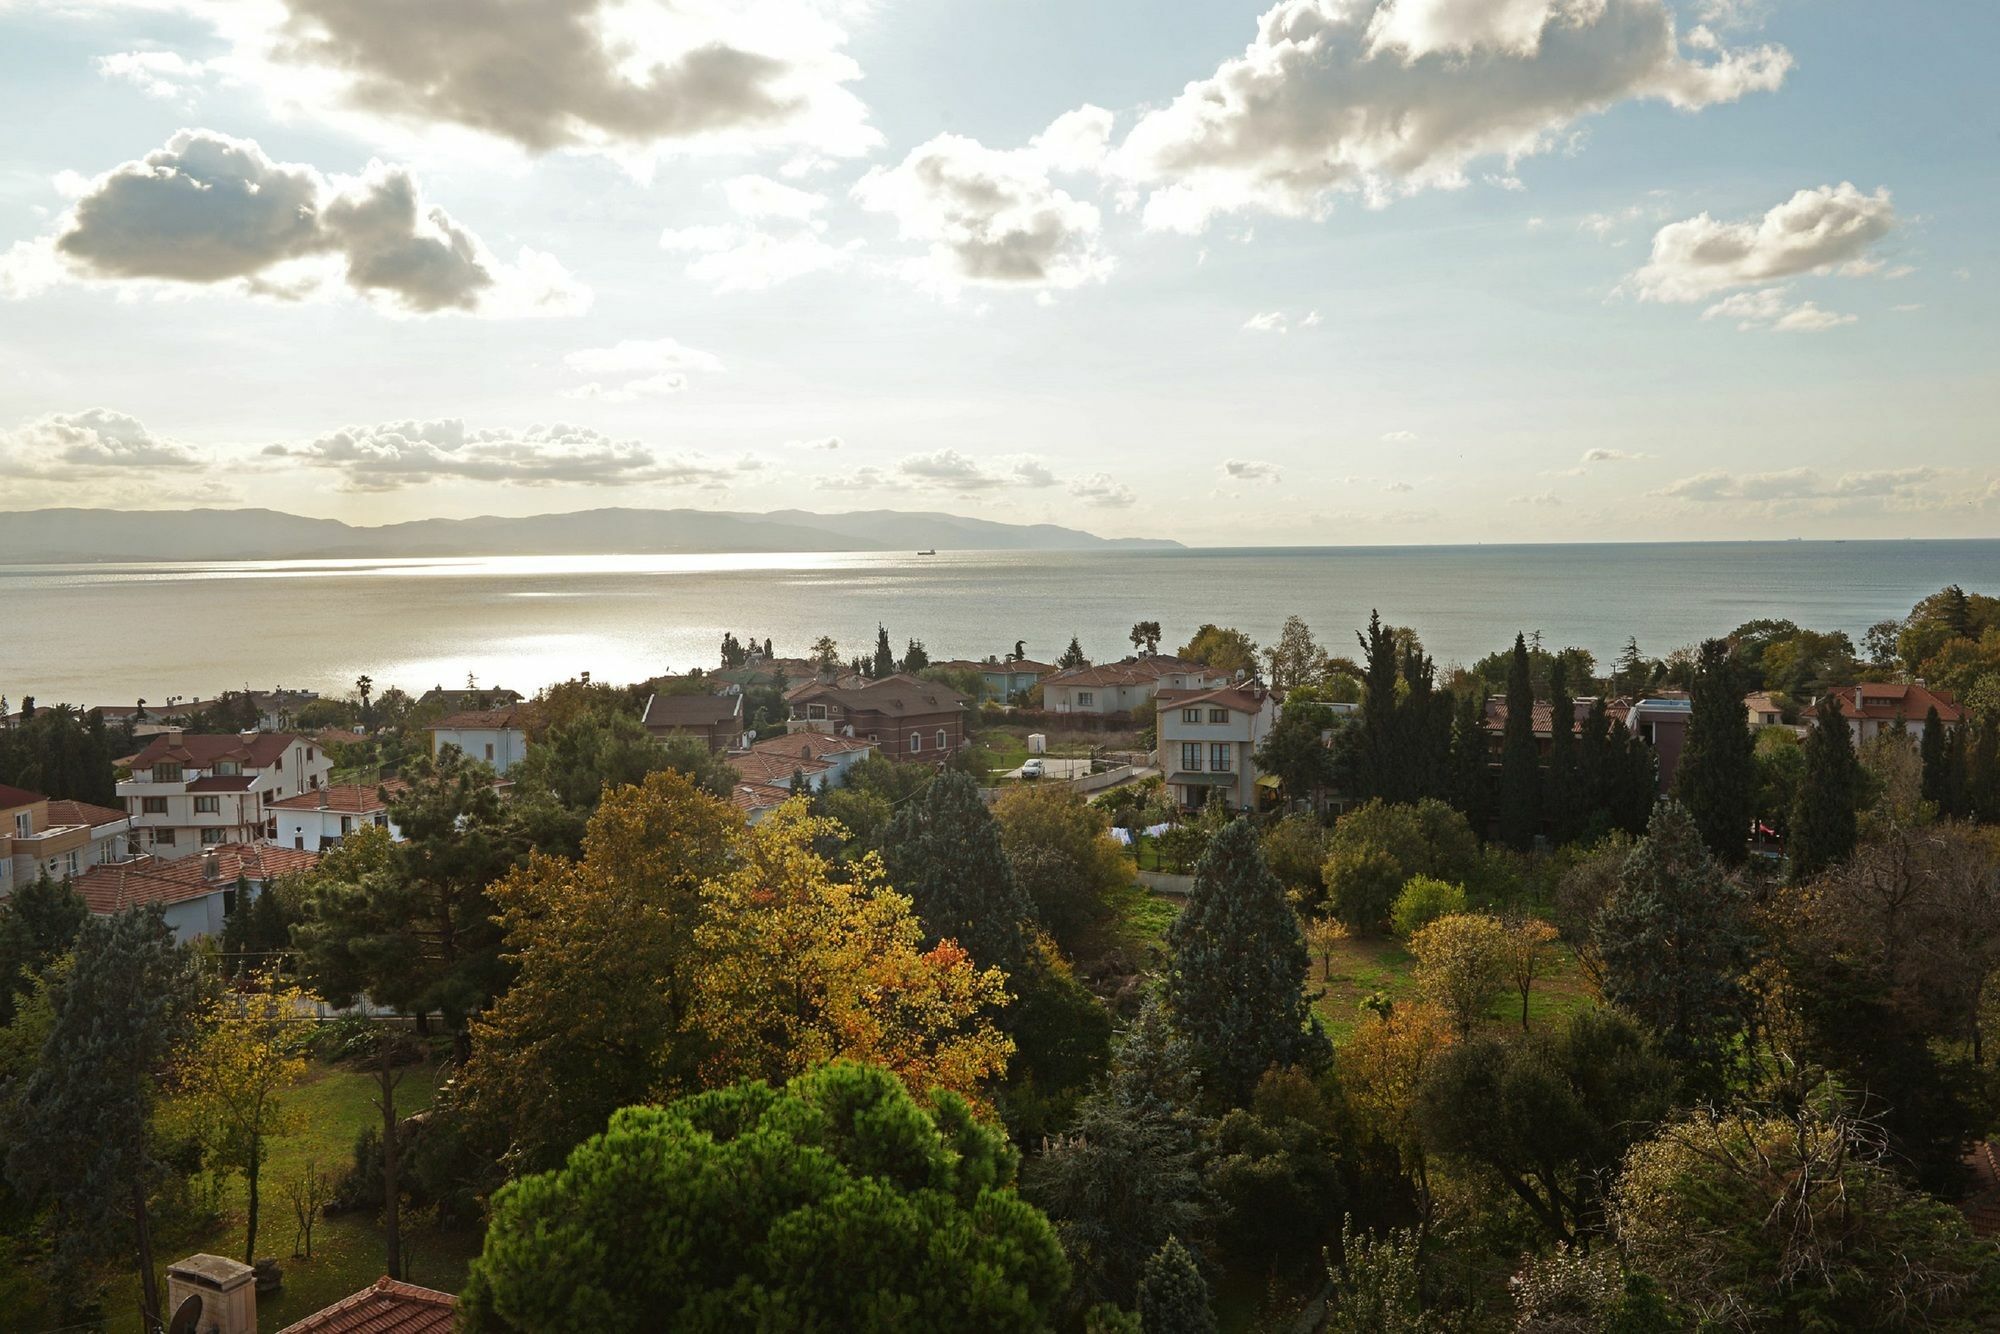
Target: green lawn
x=1367 y=965
x=997 y=750
x=334 y=1104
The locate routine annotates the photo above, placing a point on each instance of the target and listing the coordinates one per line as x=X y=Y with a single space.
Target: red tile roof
x=810 y=745
x=1233 y=697
x=63 y=811
x=760 y=767
x=255 y=750
x=1888 y=701
x=516 y=716
x=388 y=1307
x=891 y=694
x=758 y=796
x=18 y=796
x=346 y=798
x=108 y=889
x=1496 y=714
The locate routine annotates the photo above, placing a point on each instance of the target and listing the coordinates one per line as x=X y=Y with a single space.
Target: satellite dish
x=187 y=1317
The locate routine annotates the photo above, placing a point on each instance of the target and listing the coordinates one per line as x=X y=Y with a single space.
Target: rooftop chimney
x=226 y=1289
x=211 y=870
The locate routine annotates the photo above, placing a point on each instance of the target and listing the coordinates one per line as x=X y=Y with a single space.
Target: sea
x=106 y=634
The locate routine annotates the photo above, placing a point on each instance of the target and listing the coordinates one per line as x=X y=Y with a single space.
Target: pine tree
x=885 y=657
x=1173 y=1296
x=83 y=1141
x=1717 y=777
x=1236 y=979
x=1471 y=762
x=1629 y=675
x=943 y=850
x=1932 y=748
x=1520 y=765
x=1072 y=656
x=1566 y=809
x=1957 y=764
x=1823 y=819
x=1675 y=940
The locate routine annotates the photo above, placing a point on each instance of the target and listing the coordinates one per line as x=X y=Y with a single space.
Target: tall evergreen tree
x=1675 y=940
x=1375 y=749
x=38 y=924
x=1634 y=782
x=1173 y=1296
x=1823 y=819
x=943 y=850
x=885 y=657
x=1717 y=777
x=1520 y=765
x=1471 y=762
x=1594 y=766
x=1957 y=763
x=1932 y=748
x=1567 y=815
x=1236 y=978
x=1072 y=656
x=83 y=1142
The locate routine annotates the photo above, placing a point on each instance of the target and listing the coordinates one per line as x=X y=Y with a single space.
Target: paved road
x=1057 y=768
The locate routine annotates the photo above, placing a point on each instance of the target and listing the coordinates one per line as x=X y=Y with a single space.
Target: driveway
x=1055 y=768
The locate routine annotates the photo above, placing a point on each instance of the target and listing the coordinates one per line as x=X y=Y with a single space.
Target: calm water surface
x=101 y=634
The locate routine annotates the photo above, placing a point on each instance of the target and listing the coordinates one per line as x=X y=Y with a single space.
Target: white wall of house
x=317 y=830
x=1096 y=699
x=501 y=747
x=1219 y=745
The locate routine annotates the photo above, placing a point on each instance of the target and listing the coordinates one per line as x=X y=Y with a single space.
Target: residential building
x=757 y=800
x=198 y=894
x=317 y=821
x=1126 y=685
x=1661 y=721
x=910 y=720
x=190 y=791
x=1208 y=741
x=1763 y=709
x=1003 y=679
x=1874 y=708
x=837 y=754
x=41 y=835
x=499 y=737
x=714 y=720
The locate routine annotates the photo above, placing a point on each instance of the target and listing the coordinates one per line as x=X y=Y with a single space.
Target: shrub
x=1422 y=901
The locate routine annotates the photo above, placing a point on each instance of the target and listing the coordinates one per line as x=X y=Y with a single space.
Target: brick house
x=910 y=720
x=714 y=720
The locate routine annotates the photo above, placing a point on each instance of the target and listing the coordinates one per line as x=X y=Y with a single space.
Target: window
x=228 y=768
x=211 y=837
x=1191 y=756
x=313 y=782
x=1084 y=699
x=208 y=805
x=163 y=838
x=278 y=763
x=944 y=742
x=164 y=772
x=815 y=711
x=299 y=841
x=1219 y=758
x=1218 y=715
x=24 y=823
x=72 y=863
x=309 y=754
x=916 y=742
x=873 y=739
x=152 y=805
x=346 y=825
x=1190 y=715
x=489 y=752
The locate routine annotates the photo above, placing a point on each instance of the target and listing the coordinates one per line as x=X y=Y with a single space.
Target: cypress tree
x=1982 y=777
x=1594 y=768
x=1675 y=940
x=1471 y=763
x=943 y=850
x=1566 y=809
x=1237 y=972
x=83 y=1142
x=1376 y=755
x=1932 y=748
x=1823 y=821
x=1520 y=765
x=1173 y=1296
x=1957 y=766
x=885 y=657
x=1717 y=777
x=1635 y=779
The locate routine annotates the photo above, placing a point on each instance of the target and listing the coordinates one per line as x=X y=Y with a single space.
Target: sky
x=1320 y=272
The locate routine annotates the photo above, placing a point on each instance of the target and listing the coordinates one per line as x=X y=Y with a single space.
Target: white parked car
x=1032 y=769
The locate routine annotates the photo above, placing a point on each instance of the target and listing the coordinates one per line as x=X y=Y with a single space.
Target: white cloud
x=1267 y=321
x=990 y=217
x=393 y=455
x=96 y=442
x=1396 y=488
x=1399 y=437
x=1103 y=492
x=762 y=197
x=1803 y=484
x=637 y=368
x=208 y=209
x=1250 y=470
x=1602 y=455
x=1076 y=140
x=1813 y=231
x=167 y=75
x=624 y=77
x=1388 y=97
x=826 y=442
x=950 y=470
x=1771 y=308
x=746 y=259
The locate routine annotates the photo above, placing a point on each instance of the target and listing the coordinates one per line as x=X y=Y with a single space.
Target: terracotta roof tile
x=255 y=750
x=386 y=1307
x=810 y=745
x=108 y=889
x=346 y=798
x=18 y=796
x=63 y=811
x=758 y=796
x=1888 y=701
x=755 y=766
x=515 y=716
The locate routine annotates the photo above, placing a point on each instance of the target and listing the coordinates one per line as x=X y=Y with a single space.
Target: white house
x=191 y=791
x=317 y=821
x=497 y=736
x=1208 y=741
x=197 y=894
x=1122 y=687
x=41 y=835
x=825 y=756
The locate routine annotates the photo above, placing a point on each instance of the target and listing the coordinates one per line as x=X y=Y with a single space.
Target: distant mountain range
x=74 y=535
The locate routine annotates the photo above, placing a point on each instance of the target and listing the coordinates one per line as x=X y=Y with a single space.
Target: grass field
x=1364 y=966
x=333 y=1104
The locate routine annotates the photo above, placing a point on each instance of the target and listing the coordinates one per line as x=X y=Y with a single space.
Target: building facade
x=1208 y=741
x=1875 y=708
x=197 y=894
x=1126 y=685
x=59 y=838
x=906 y=719
x=191 y=791
x=497 y=737
x=714 y=720
x=318 y=821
